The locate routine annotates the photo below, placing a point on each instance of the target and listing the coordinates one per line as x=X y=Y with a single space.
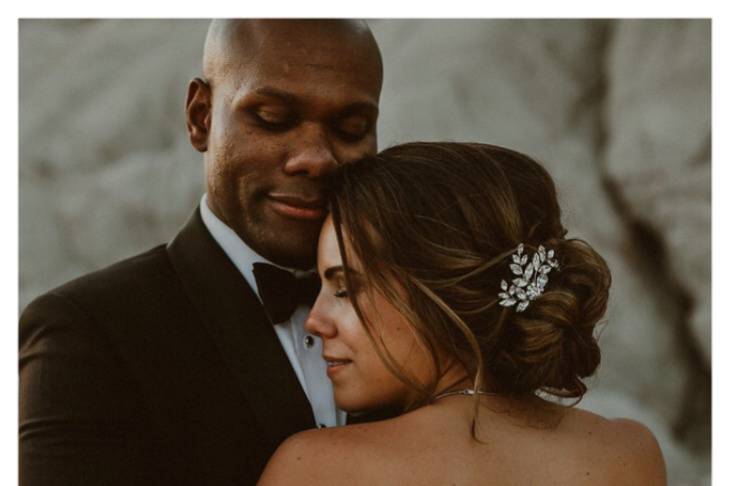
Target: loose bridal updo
x=435 y=226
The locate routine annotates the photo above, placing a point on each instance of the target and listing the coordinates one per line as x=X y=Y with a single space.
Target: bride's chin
x=353 y=403
x=350 y=406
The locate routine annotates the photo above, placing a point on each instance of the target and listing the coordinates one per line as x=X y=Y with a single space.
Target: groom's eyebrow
x=283 y=96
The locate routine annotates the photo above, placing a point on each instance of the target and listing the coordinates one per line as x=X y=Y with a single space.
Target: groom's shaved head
x=233 y=45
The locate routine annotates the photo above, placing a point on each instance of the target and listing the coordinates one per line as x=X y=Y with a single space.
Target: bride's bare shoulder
x=325 y=456
x=627 y=448
x=641 y=452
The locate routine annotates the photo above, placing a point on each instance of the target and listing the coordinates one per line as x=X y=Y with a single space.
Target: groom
x=188 y=364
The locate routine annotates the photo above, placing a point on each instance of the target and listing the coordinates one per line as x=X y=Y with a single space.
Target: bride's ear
x=198 y=113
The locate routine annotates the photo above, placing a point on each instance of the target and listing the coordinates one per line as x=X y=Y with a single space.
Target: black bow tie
x=281 y=291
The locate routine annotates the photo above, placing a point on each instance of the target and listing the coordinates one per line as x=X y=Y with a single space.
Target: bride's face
x=359 y=377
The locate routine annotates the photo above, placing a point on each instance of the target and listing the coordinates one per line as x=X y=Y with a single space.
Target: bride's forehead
x=328 y=251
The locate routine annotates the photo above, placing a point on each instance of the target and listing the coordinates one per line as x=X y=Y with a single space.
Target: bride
x=450 y=292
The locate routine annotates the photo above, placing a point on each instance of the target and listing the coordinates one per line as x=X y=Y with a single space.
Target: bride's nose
x=320 y=322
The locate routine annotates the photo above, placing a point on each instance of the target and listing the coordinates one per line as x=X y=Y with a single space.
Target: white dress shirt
x=303 y=349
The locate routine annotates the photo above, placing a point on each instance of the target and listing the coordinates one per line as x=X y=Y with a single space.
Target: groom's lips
x=298 y=207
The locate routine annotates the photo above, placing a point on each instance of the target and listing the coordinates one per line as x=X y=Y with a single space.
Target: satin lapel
x=236 y=321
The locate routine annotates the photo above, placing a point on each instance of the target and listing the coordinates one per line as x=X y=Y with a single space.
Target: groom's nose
x=313 y=155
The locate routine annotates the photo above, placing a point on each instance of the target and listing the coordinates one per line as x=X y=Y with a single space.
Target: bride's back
x=434 y=446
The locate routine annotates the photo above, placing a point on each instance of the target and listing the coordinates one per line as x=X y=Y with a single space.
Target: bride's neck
x=454 y=377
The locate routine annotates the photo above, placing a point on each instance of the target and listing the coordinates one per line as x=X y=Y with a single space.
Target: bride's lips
x=297 y=207
x=335 y=365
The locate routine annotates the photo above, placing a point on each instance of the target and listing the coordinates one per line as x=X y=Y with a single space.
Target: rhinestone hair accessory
x=531 y=276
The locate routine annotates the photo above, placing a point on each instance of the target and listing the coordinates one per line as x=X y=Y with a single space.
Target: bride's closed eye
x=335 y=275
x=342 y=291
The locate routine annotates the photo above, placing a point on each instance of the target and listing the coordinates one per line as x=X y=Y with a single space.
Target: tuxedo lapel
x=236 y=321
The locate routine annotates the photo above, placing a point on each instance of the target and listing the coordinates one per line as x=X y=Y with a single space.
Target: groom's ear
x=198 y=112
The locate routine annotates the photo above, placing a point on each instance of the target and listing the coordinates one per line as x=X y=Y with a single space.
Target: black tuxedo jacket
x=161 y=369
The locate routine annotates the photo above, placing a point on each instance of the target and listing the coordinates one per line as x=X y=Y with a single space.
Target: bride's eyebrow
x=332 y=271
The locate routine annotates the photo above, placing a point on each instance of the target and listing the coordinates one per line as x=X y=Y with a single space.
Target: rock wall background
x=619 y=112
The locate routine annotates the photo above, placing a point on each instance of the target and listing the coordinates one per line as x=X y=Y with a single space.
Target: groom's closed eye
x=273 y=119
x=353 y=127
x=355 y=122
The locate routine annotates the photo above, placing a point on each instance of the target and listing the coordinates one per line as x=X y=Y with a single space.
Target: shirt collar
x=242 y=256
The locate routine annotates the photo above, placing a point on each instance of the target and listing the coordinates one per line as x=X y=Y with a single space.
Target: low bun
x=551 y=346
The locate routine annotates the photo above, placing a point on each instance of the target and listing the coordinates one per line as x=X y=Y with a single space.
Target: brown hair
x=441 y=220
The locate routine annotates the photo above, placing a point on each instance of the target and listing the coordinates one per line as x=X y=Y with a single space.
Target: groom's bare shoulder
x=326 y=456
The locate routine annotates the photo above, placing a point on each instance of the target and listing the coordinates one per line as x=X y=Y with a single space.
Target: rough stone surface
x=618 y=111
x=658 y=114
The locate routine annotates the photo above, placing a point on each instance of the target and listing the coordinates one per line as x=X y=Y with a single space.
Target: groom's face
x=279 y=125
